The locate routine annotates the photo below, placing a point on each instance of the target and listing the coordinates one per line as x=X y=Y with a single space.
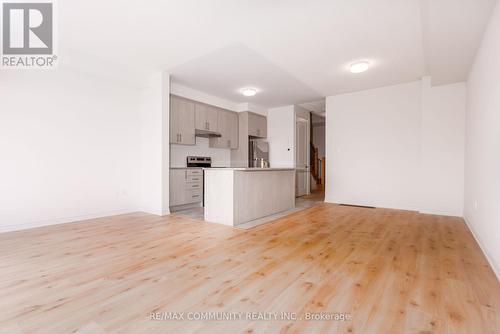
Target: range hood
x=206 y=133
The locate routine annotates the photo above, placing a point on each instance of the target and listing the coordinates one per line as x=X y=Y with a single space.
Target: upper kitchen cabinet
x=228 y=128
x=182 y=119
x=257 y=125
x=205 y=117
x=249 y=125
x=232 y=126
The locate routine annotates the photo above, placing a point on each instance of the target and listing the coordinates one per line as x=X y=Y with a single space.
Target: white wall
x=397 y=147
x=372 y=147
x=281 y=136
x=178 y=153
x=482 y=158
x=154 y=125
x=442 y=148
x=69 y=148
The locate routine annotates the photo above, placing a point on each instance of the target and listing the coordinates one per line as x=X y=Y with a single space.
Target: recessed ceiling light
x=249 y=91
x=359 y=67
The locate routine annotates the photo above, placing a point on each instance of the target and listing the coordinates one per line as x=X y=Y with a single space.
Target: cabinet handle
x=196 y=195
x=185 y=174
x=195 y=179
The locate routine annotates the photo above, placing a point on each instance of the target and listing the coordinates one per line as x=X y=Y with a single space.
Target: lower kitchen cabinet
x=186 y=186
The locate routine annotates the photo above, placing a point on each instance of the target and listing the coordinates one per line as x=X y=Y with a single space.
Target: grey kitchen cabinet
x=182 y=118
x=227 y=126
x=186 y=186
x=233 y=128
x=205 y=117
x=257 y=125
x=176 y=187
x=249 y=124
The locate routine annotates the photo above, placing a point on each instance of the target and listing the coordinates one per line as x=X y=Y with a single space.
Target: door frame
x=307 y=169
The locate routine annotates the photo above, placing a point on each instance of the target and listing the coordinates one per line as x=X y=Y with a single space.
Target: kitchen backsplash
x=178 y=153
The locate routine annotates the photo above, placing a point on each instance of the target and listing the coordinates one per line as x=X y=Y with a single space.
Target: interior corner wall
x=442 y=149
x=397 y=147
x=155 y=113
x=482 y=149
x=165 y=143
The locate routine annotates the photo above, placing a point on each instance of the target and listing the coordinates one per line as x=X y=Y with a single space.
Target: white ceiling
x=226 y=71
x=293 y=50
x=453 y=30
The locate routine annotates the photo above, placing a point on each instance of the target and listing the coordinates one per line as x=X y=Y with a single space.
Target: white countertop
x=250 y=169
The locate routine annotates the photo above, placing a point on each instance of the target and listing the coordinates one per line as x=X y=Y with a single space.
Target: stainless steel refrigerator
x=258 y=153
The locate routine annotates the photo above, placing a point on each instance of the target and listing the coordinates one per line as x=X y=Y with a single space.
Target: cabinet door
x=252 y=124
x=206 y=117
x=257 y=125
x=212 y=118
x=232 y=125
x=174 y=120
x=186 y=123
x=201 y=116
x=181 y=121
x=262 y=127
x=222 y=128
x=178 y=186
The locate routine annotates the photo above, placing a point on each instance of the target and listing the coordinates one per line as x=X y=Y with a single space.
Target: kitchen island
x=235 y=196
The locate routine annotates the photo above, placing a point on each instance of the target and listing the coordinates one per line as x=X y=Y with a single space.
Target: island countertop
x=249 y=169
x=235 y=196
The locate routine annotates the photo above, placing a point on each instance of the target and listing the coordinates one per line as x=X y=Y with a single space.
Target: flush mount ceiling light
x=359 y=67
x=249 y=91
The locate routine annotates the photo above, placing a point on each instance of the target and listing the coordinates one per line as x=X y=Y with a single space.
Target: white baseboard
x=483 y=249
x=64 y=220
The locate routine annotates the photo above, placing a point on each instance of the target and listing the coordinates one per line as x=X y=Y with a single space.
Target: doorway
x=317 y=156
x=301 y=157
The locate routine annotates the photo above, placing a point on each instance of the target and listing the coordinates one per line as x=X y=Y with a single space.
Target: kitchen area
x=220 y=169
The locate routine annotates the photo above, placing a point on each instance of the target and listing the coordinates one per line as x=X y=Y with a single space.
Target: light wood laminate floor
x=390 y=271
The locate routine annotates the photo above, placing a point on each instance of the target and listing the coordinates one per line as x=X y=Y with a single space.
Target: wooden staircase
x=317 y=166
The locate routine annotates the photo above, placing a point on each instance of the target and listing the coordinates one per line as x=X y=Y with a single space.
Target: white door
x=301 y=157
